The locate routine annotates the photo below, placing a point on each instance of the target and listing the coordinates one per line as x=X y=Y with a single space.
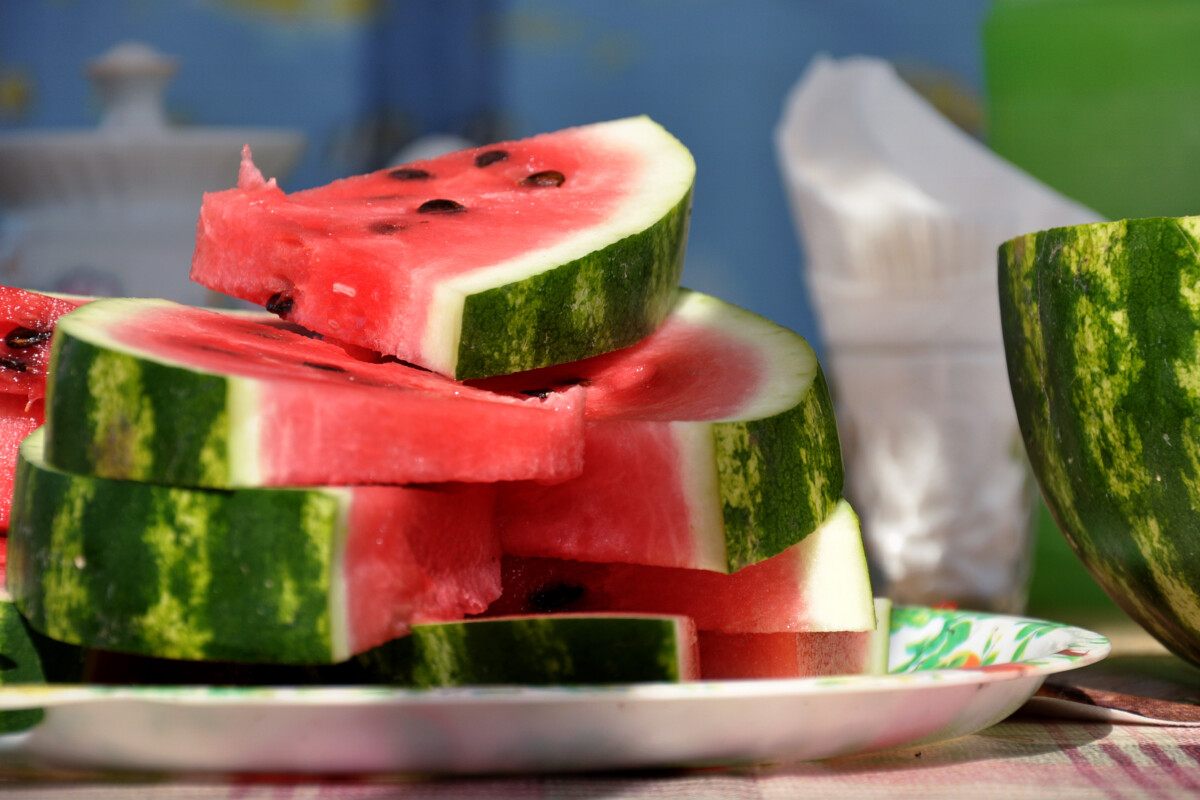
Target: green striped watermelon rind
x=110 y=411
x=602 y=289
x=1101 y=325
x=780 y=477
x=565 y=649
x=123 y=405
x=606 y=300
x=226 y=575
x=20 y=662
x=759 y=470
x=778 y=456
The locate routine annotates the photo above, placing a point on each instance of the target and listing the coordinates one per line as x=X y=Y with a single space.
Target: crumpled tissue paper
x=900 y=215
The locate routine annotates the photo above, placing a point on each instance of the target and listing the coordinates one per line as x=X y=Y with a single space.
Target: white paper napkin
x=900 y=215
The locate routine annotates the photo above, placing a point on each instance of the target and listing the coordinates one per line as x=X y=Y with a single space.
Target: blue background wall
x=364 y=78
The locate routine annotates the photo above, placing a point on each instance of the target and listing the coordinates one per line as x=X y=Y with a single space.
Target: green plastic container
x=1100 y=99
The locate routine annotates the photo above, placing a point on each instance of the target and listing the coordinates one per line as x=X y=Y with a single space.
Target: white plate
x=951 y=673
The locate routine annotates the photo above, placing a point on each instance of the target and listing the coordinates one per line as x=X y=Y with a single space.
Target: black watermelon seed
x=410 y=174
x=387 y=228
x=550 y=177
x=279 y=303
x=205 y=347
x=554 y=597
x=440 y=206
x=490 y=157
x=18 y=338
x=540 y=394
x=326 y=367
x=13 y=364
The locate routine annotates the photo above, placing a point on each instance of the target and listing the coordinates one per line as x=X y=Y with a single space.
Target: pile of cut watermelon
x=477 y=434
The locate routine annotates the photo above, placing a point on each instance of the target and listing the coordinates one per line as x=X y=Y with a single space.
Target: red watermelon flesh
x=820 y=584
x=642 y=499
x=711 y=444
x=415 y=555
x=325 y=417
x=688 y=369
x=27 y=322
x=734 y=656
x=18 y=418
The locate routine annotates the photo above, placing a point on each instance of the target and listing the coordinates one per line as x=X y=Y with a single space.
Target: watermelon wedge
x=481 y=262
x=150 y=390
x=738 y=656
x=537 y=650
x=820 y=584
x=1101 y=327
x=571 y=649
x=281 y=575
x=22 y=664
x=711 y=444
x=807 y=654
x=27 y=322
x=18 y=418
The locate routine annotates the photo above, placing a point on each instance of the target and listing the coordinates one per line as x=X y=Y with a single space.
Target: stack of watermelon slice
x=478 y=434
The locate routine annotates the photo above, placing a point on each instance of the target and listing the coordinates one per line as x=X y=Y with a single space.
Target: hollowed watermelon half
x=481 y=262
x=279 y=575
x=1101 y=327
x=820 y=584
x=150 y=390
x=27 y=322
x=711 y=444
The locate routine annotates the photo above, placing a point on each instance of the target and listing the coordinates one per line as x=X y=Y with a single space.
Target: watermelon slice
x=18 y=418
x=22 y=664
x=572 y=649
x=150 y=390
x=736 y=656
x=281 y=575
x=27 y=322
x=807 y=654
x=712 y=444
x=820 y=584
x=476 y=263
x=535 y=650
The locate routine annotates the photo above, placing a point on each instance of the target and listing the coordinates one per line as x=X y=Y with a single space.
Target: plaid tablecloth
x=1022 y=757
